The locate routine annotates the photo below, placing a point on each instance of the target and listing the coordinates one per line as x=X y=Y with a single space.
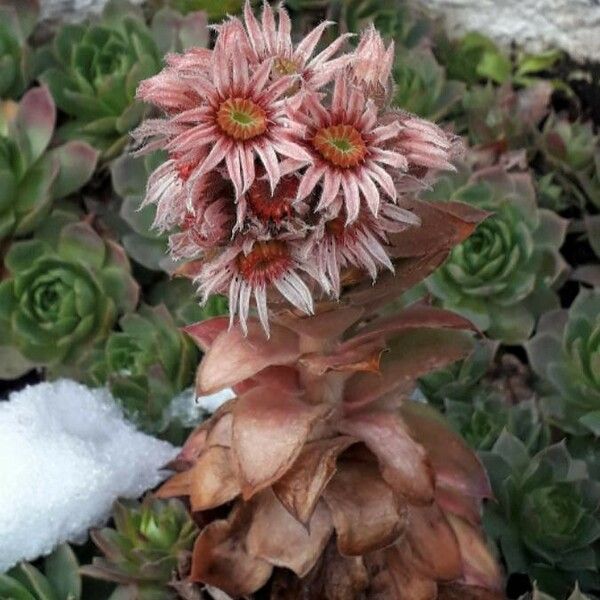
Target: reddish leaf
x=284 y=378
x=362 y=358
x=34 y=123
x=455 y=465
x=270 y=429
x=234 y=357
x=434 y=546
x=404 y=463
x=406 y=582
x=479 y=566
x=178 y=485
x=301 y=487
x=365 y=512
x=278 y=538
x=220 y=558
x=204 y=333
x=456 y=591
x=418 y=316
x=328 y=324
x=455 y=502
x=413 y=354
x=212 y=480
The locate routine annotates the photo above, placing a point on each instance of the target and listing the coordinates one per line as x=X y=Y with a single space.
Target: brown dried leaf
x=269 y=431
x=455 y=465
x=434 y=546
x=234 y=357
x=278 y=538
x=220 y=557
x=300 y=488
x=403 y=462
x=365 y=512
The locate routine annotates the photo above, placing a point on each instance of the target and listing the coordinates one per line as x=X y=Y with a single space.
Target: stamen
x=241 y=118
x=341 y=145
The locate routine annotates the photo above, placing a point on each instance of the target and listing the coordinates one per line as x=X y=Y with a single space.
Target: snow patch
x=66 y=453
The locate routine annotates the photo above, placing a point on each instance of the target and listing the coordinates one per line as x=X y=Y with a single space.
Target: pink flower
x=272 y=40
x=249 y=270
x=234 y=115
x=371 y=66
x=348 y=150
x=337 y=245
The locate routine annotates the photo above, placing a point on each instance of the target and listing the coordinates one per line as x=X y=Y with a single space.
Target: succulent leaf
x=60 y=579
x=502 y=277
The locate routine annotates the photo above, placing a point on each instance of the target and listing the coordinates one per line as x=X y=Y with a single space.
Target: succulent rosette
x=285 y=189
x=422 y=86
x=32 y=175
x=459 y=382
x=503 y=276
x=148 y=547
x=546 y=516
x=17 y=21
x=565 y=353
x=145 y=365
x=143 y=244
x=93 y=70
x=62 y=295
x=59 y=580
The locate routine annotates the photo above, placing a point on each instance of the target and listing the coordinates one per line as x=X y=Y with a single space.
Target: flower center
x=285 y=66
x=341 y=145
x=241 y=118
x=265 y=263
x=274 y=207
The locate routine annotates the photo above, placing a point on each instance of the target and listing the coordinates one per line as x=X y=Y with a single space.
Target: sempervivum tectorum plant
x=17 y=20
x=285 y=186
x=60 y=579
x=565 y=353
x=32 y=174
x=504 y=275
x=93 y=69
x=146 y=550
x=533 y=490
x=63 y=292
x=145 y=365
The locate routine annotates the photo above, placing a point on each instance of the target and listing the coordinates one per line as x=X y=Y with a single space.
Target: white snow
x=66 y=453
x=189 y=409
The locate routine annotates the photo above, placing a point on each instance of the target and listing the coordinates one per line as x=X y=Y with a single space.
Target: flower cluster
x=286 y=172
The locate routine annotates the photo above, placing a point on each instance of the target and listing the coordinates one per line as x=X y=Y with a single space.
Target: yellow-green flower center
x=241 y=118
x=341 y=145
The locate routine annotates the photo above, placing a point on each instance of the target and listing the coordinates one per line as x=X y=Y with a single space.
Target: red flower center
x=274 y=207
x=342 y=145
x=241 y=118
x=265 y=263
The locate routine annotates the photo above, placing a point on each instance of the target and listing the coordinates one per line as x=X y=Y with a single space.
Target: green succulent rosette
x=502 y=277
x=93 y=69
x=180 y=298
x=545 y=519
x=32 y=175
x=565 y=354
x=62 y=294
x=482 y=420
x=17 y=21
x=145 y=365
x=459 y=381
x=148 y=550
x=143 y=243
x=60 y=579
x=422 y=87
x=501 y=119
